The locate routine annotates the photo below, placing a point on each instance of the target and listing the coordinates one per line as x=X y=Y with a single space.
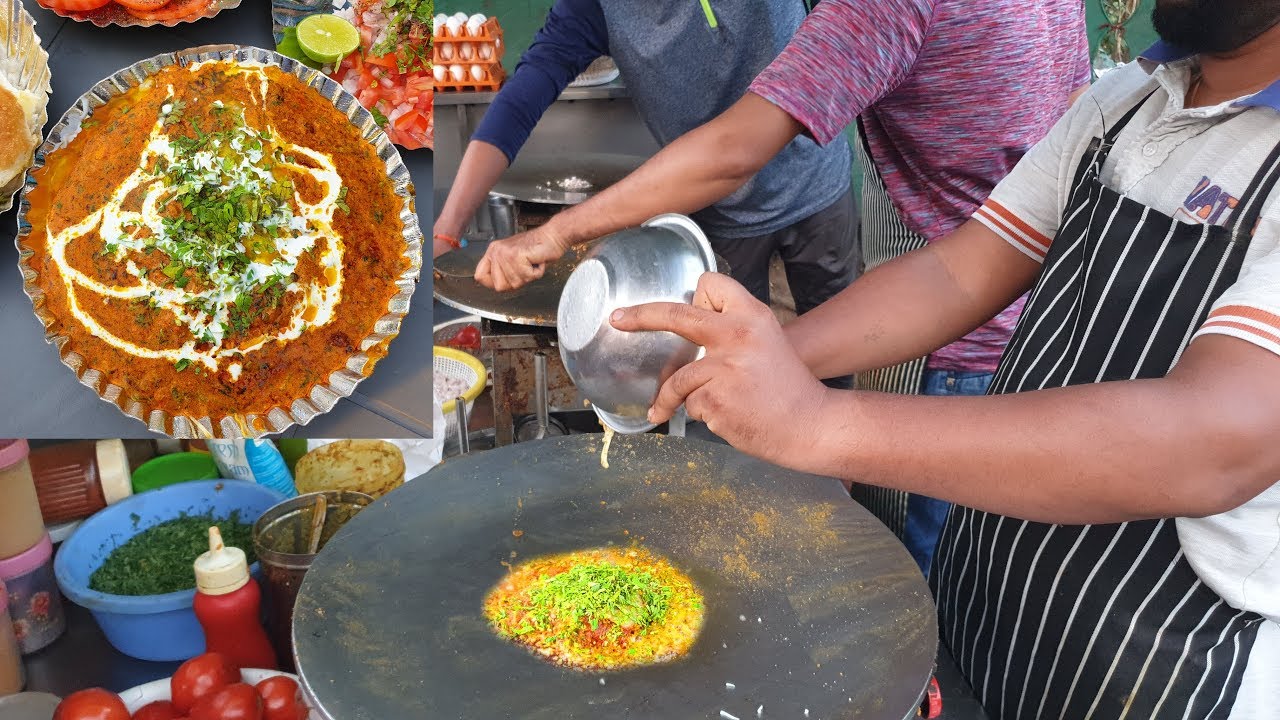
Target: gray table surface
x=43 y=397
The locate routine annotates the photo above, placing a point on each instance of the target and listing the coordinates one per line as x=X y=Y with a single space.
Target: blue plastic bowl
x=151 y=627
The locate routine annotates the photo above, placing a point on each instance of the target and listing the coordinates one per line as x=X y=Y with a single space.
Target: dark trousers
x=822 y=255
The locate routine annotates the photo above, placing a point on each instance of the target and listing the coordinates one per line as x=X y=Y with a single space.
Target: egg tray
x=490 y=32
x=497 y=75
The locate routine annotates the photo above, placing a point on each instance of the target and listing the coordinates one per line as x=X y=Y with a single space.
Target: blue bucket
x=151 y=627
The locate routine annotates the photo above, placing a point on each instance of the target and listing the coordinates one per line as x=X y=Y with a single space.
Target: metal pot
x=620 y=372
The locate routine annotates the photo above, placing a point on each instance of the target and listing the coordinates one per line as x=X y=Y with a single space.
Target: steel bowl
x=620 y=372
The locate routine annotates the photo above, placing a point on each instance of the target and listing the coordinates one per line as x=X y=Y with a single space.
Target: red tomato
x=143 y=4
x=233 y=702
x=158 y=710
x=201 y=676
x=74 y=5
x=281 y=699
x=94 y=704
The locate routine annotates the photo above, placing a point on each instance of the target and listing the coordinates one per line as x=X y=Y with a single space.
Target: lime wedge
x=327 y=38
x=290 y=48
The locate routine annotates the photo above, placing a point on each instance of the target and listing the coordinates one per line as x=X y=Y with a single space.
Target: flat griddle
x=533 y=304
x=812 y=604
x=563 y=179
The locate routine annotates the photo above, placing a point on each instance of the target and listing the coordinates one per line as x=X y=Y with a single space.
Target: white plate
x=136 y=698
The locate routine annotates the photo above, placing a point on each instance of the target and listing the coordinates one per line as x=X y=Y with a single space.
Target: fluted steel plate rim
x=323 y=396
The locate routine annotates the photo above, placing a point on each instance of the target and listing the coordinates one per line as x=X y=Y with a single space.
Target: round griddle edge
x=812 y=604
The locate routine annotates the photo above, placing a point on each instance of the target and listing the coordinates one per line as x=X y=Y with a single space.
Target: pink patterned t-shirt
x=952 y=93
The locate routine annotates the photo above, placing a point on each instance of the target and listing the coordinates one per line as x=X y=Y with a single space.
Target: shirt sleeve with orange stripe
x=1250 y=309
x=1026 y=207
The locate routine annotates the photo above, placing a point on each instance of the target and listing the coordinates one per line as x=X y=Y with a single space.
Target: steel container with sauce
x=282 y=539
x=21 y=525
x=12 y=675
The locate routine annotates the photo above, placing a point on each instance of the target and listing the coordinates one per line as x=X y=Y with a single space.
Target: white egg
x=446 y=50
x=475 y=29
x=478 y=19
x=438 y=23
x=484 y=51
x=460 y=17
x=457 y=73
x=466 y=51
x=453 y=28
x=478 y=73
x=439 y=72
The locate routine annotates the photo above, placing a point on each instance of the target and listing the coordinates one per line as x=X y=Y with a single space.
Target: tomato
x=94 y=704
x=281 y=699
x=74 y=5
x=158 y=710
x=201 y=676
x=233 y=702
x=172 y=10
x=143 y=4
x=468 y=337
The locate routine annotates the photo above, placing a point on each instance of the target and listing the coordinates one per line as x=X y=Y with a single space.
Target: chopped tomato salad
x=391 y=72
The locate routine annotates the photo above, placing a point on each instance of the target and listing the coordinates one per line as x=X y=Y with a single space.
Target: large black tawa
x=812 y=604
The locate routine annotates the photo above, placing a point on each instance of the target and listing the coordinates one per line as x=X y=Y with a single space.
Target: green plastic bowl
x=171 y=469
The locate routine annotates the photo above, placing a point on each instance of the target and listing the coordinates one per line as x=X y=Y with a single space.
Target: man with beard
x=947 y=95
x=1114 y=551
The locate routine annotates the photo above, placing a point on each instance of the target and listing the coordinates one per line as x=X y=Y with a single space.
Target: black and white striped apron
x=885 y=237
x=1101 y=621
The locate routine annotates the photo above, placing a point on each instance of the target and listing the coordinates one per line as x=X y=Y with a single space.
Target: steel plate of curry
x=598 y=610
x=221 y=249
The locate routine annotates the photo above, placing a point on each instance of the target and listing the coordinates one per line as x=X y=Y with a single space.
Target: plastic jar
x=35 y=605
x=12 y=675
x=21 y=525
x=77 y=479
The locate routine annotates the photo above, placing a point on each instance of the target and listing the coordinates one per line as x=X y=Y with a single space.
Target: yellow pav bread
x=21 y=115
x=372 y=467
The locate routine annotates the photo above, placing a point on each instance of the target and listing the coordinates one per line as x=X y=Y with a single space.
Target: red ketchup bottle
x=229 y=606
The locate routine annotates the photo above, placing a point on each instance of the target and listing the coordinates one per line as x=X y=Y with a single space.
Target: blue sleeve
x=572 y=38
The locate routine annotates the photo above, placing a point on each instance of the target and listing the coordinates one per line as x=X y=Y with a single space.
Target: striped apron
x=884 y=237
x=1101 y=621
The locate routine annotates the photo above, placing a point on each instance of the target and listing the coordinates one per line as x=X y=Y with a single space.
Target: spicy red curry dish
x=598 y=610
x=216 y=241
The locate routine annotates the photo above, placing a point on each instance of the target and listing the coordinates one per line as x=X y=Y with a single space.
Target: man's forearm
x=482 y=166
x=701 y=167
x=1101 y=453
x=913 y=305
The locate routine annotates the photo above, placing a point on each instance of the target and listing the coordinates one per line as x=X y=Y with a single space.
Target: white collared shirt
x=1194 y=165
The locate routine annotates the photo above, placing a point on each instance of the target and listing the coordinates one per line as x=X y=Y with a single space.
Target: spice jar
x=12 y=675
x=77 y=479
x=21 y=525
x=35 y=605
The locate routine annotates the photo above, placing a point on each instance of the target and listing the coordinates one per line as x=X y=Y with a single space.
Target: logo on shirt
x=1208 y=203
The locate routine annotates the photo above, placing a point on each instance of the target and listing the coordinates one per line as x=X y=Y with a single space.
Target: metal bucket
x=282 y=538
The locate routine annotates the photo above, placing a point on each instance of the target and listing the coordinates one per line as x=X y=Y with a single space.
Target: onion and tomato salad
x=391 y=72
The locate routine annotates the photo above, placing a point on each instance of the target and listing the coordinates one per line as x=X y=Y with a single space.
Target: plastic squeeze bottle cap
x=222 y=570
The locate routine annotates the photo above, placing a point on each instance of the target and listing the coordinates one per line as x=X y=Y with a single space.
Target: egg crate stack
x=467 y=54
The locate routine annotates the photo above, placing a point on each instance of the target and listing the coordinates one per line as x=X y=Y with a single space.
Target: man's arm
x=1198 y=442
x=702 y=166
x=910 y=307
x=846 y=56
x=574 y=35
